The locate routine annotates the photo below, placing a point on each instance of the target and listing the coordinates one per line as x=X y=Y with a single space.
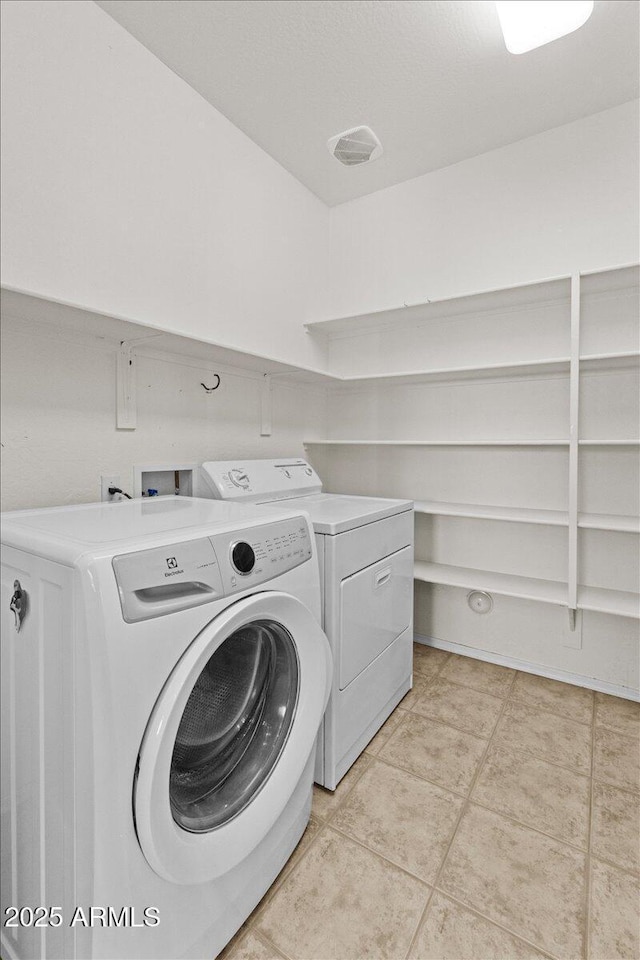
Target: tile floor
x=496 y=816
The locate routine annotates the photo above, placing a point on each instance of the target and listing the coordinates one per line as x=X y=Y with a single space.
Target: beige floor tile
x=428 y=661
x=527 y=882
x=480 y=675
x=462 y=707
x=401 y=817
x=614 y=927
x=437 y=752
x=615 y=826
x=451 y=932
x=569 y=701
x=251 y=946
x=620 y=715
x=546 y=736
x=616 y=759
x=385 y=731
x=326 y=802
x=535 y=792
x=420 y=686
x=343 y=902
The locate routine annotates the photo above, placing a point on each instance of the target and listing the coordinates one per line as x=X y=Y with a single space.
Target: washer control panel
x=262 y=553
x=152 y=583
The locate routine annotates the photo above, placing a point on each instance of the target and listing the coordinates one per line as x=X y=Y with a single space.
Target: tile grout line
x=587 y=878
x=260 y=907
x=260 y=935
x=485 y=806
x=454 y=833
x=507 y=746
x=513 y=698
x=553 y=713
x=476 y=803
x=380 y=856
x=325 y=824
x=474 y=910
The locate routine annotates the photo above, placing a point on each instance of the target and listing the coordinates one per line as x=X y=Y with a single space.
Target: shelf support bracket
x=126 y=410
x=266 y=405
x=572 y=619
x=126 y=406
x=574 y=422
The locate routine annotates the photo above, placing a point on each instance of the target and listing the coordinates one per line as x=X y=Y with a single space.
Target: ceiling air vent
x=358 y=145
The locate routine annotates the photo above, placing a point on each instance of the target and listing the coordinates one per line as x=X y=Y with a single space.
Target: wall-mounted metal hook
x=211 y=389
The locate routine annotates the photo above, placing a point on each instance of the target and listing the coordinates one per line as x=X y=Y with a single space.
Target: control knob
x=243 y=558
x=239 y=478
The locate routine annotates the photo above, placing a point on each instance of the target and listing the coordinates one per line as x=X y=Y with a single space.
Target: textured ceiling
x=431 y=77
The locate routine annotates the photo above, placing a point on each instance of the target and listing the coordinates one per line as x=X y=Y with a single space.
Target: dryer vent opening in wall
x=355 y=146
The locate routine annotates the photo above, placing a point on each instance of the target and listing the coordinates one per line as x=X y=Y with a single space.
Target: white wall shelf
x=585 y=346
x=543 y=367
x=554 y=518
x=608 y=521
x=558 y=518
x=486 y=301
x=618 y=602
x=519 y=368
x=506 y=584
x=609 y=443
x=73 y=321
x=439 y=443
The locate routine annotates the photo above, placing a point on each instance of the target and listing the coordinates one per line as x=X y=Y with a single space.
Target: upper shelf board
x=545 y=366
x=497 y=300
x=554 y=289
x=76 y=321
x=554 y=518
x=440 y=443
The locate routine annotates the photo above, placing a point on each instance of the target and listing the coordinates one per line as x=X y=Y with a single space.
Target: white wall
x=127 y=193
x=58 y=405
x=563 y=200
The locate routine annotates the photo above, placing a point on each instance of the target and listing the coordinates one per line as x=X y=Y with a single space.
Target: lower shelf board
x=507 y=584
x=618 y=602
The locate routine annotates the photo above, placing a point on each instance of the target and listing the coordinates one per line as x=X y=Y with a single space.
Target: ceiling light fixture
x=527 y=24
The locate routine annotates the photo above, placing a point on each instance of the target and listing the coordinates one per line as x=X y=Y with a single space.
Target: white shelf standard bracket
x=126 y=411
x=574 y=419
x=126 y=407
x=266 y=405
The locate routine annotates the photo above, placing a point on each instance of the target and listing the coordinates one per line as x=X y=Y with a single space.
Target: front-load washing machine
x=365 y=551
x=164 y=677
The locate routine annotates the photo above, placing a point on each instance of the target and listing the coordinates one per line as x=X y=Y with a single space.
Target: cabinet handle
x=18 y=604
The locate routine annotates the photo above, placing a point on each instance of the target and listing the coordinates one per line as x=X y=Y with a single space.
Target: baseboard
x=591 y=683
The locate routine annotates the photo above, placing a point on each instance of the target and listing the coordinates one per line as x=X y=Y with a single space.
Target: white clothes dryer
x=164 y=678
x=365 y=551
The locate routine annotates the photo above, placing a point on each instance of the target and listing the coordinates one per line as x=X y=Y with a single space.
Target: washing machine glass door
x=234 y=725
x=229 y=737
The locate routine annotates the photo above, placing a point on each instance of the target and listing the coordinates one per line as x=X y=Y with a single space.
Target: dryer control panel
x=259 y=480
x=162 y=580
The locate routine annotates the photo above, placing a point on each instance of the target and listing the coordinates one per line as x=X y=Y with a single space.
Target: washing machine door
x=229 y=737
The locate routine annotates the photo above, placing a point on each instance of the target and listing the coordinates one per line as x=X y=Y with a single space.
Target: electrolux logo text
x=172 y=563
